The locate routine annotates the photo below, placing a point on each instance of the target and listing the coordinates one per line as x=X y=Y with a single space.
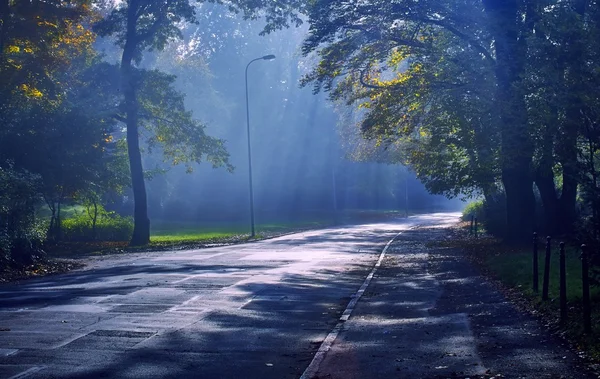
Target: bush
x=110 y=226
x=21 y=234
x=491 y=213
x=473 y=208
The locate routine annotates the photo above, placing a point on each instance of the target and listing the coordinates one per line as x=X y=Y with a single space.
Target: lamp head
x=269 y=57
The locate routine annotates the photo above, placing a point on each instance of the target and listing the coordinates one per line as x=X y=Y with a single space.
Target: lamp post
x=266 y=58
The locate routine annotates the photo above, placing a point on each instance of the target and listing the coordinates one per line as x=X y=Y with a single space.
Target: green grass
x=512 y=267
x=189 y=236
x=173 y=233
x=515 y=269
x=168 y=235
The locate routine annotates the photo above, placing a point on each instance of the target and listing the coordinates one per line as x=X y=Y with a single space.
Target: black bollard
x=585 y=281
x=536 y=275
x=546 y=269
x=472 y=223
x=563 y=285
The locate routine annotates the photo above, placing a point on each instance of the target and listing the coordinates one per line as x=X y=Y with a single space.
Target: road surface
x=259 y=310
x=278 y=308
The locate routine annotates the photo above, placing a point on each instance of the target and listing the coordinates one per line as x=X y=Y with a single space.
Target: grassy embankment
x=512 y=267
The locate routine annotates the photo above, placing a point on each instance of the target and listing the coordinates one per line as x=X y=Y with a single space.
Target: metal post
x=563 y=285
x=252 y=234
x=536 y=275
x=406 y=194
x=546 y=269
x=475 y=227
x=251 y=190
x=585 y=281
x=472 y=224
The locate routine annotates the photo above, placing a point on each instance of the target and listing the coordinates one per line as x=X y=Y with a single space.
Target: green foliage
x=21 y=234
x=276 y=14
x=490 y=213
x=108 y=226
x=432 y=85
x=423 y=82
x=173 y=130
x=474 y=208
x=146 y=24
x=514 y=269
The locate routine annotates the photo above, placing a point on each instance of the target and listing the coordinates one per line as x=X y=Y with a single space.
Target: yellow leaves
x=74 y=40
x=47 y=23
x=14 y=64
x=31 y=91
x=396 y=58
x=15 y=49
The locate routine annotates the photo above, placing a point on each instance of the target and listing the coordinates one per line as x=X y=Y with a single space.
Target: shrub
x=21 y=234
x=491 y=213
x=473 y=208
x=109 y=226
x=494 y=214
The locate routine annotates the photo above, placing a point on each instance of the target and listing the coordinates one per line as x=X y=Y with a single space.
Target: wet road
x=259 y=310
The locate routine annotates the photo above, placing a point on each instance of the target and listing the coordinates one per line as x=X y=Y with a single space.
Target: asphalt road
x=428 y=313
x=258 y=310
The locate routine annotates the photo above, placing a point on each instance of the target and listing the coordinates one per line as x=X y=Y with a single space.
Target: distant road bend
x=257 y=310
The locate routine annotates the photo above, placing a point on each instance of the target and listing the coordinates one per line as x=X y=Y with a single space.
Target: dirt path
x=428 y=314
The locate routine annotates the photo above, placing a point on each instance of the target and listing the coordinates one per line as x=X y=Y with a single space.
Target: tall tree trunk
x=544 y=181
x=141 y=227
x=51 y=230
x=567 y=144
x=95 y=221
x=58 y=223
x=517 y=149
x=567 y=205
x=544 y=176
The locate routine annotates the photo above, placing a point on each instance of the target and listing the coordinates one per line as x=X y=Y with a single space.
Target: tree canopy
x=479 y=95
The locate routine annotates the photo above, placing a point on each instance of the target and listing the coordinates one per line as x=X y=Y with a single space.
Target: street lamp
x=266 y=58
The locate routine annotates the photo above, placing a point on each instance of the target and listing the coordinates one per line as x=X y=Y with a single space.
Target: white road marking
x=313 y=367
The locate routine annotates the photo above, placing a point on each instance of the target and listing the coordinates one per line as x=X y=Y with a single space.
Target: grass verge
x=511 y=269
x=171 y=236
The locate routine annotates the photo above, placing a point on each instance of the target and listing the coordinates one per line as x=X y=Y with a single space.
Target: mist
x=301 y=159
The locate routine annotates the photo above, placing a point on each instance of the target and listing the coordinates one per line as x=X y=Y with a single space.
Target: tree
x=417 y=68
x=510 y=25
x=422 y=84
x=20 y=235
x=51 y=127
x=140 y=25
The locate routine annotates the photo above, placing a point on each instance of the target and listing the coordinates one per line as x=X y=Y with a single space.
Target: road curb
x=313 y=367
